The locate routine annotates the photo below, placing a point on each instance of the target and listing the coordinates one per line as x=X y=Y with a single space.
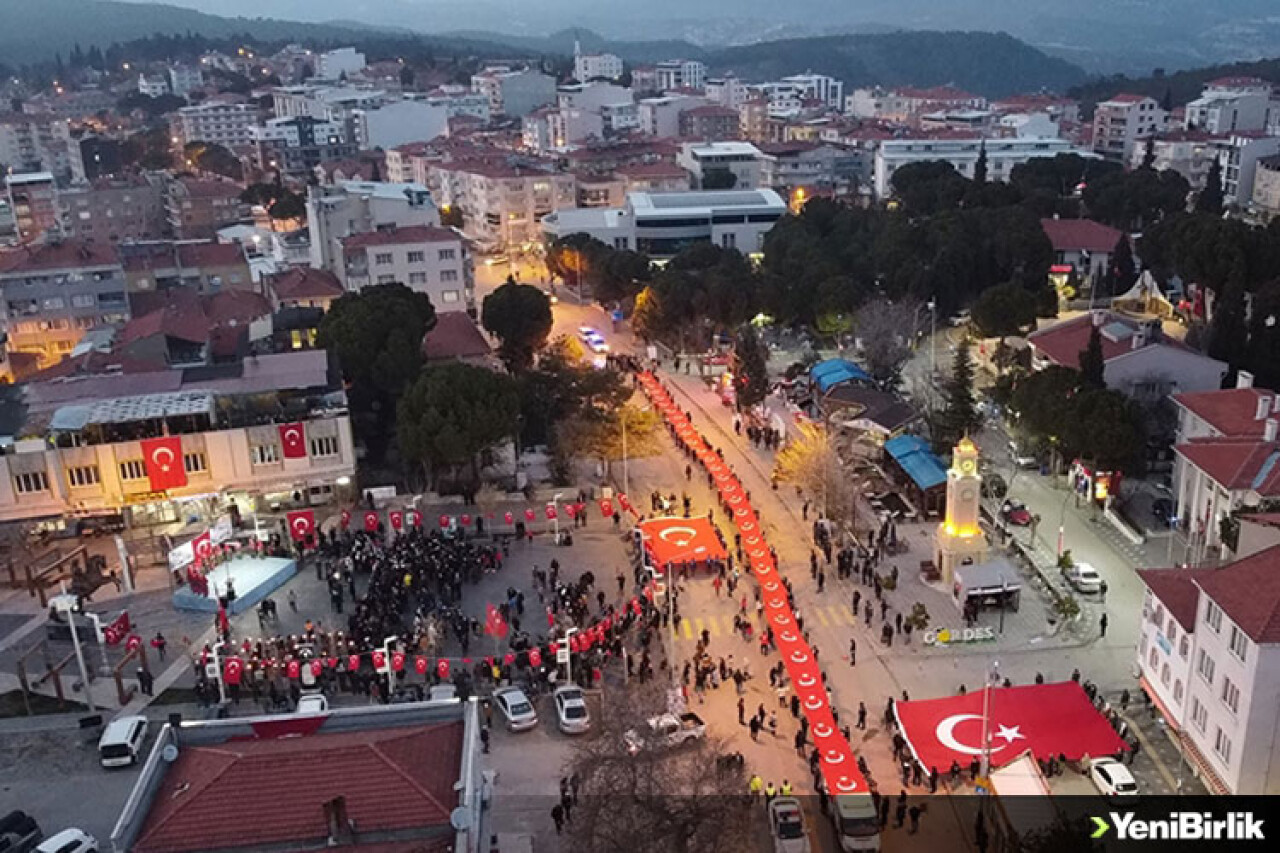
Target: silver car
x=517 y=709
x=571 y=710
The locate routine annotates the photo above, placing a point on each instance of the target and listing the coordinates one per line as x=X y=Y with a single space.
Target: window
x=1164 y=675
x=1213 y=617
x=449 y=296
x=417 y=257
x=446 y=254
x=1172 y=632
x=1222 y=745
x=113 y=299
x=81 y=476
x=36 y=481
x=195 y=463
x=1239 y=642
x=1177 y=690
x=1199 y=714
x=52 y=303
x=325 y=445
x=1155 y=657
x=382 y=259
x=264 y=454
x=1184 y=646
x=1204 y=666
x=1230 y=695
x=448 y=275
x=132 y=469
x=85 y=300
x=417 y=278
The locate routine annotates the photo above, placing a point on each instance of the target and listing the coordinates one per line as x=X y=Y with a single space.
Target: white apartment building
x=1190 y=153
x=1239 y=159
x=741 y=159
x=153 y=87
x=333 y=64
x=1230 y=105
x=1210 y=657
x=680 y=73
x=429 y=260
x=819 y=87
x=79 y=450
x=1121 y=123
x=457 y=101
x=1002 y=156
x=39 y=143
x=594 y=66
x=514 y=92
x=503 y=203
x=396 y=123
x=343 y=210
x=224 y=124
x=663 y=224
x=184 y=80
x=727 y=91
x=327 y=103
x=661 y=116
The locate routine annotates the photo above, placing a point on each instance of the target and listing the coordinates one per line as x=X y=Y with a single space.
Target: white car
x=517 y=708
x=1084 y=577
x=593 y=339
x=69 y=841
x=1021 y=456
x=1112 y=778
x=312 y=703
x=786 y=823
x=571 y=710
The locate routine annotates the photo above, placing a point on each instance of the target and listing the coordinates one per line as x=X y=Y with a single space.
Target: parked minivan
x=121 y=743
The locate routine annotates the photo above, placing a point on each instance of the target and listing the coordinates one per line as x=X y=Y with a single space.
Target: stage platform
x=254 y=578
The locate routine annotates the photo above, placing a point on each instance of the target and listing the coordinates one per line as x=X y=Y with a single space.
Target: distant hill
x=561 y=43
x=1180 y=87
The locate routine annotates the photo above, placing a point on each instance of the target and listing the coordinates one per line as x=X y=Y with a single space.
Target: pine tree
x=1092 y=363
x=980 y=168
x=1149 y=153
x=1120 y=269
x=1210 y=198
x=1166 y=103
x=1228 y=330
x=751 y=368
x=959 y=415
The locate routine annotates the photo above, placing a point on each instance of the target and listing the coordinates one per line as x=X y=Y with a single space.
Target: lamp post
x=555 y=514
x=992 y=675
x=217 y=664
x=1062 y=522
x=388 y=646
x=933 y=340
x=1173 y=527
x=66 y=604
x=568 y=661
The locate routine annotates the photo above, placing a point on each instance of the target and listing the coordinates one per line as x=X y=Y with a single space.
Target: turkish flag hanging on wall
x=293 y=441
x=397 y=520
x=163 y=460
x=371 y=522
x=302 y=523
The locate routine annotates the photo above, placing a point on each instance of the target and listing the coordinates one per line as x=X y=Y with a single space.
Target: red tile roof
x=210 y=254
x=1237 y=463
x=936 y=93
x=71 y=254
x=454 y=336
x=187 y=316
x=1062 y=342
x=651 y=170
x=401 y=237
x=1073 y=235
x=204 y=188
x=306 y=283
x=1248 y=591
x=1177 y=591
x=711 y=110
x=1233 y=412
x=1125 y=98
x=256 y=793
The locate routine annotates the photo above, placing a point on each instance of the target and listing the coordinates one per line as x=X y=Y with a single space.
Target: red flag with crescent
x=415 y=518
x=293 y=441
x=530 y=515
x=379 y=660
x=117 y=630
x=162 y=458
x=302 y=523
x=397 y=520
x=444 y=521
x=571 y=510
x=371 y=522
x=622 y=500
x=606 y=507
x=420 y=665
x=232 y=671
x=466 y=520
x=133 y=643
x=316 y=668
x=535 y=657
x=509 y=658
x=397 y=661
x=442 y=668
x=551 y=512
x=509 y=517
x=353 y=663
x=293 y=669
x=494 y=624
x=345 y=519
x=202 y=546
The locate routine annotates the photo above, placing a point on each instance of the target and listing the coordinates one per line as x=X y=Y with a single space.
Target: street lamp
x=388 y=645
x=992 y=677
x=933 y=340
x=555 y=514
x=1062 y=522
x=65 y=604
x=568 y=661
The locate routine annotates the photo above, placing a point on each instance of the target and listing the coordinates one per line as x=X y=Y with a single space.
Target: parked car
x=1015 y=512
x=69 y=841
x=1113 y=779
x=1162 y=509
x=18 y=832
x=666 y=730
x=1083 y=577
x=1022 y=457
x=517 y=709
x=593 y=339
x=786 y=823
x=121 y=741
x=572 y=715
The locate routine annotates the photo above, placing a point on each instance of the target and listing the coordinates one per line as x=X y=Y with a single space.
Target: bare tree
x=678 y=799
x=885 y=332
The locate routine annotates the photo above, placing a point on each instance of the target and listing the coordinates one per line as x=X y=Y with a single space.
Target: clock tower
x=960 y=539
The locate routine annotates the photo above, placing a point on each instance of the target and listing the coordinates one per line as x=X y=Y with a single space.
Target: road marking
x=850 y=618
x=822 y=618
x=688 y=629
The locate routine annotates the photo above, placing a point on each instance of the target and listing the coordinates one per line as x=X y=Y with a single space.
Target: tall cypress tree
x=959 y=415
x=1210 y=198
x=1092 y=363
x=980 y=168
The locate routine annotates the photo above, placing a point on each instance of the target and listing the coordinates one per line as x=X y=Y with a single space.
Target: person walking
x=742 y=711
x=557 y=815
x=159 y=643
x=853 y=652
x=862 y=715
x=755 y=786
x=933 y=780
x=1102 y=623
x=900 y=814
x=769 y=793
x=754 y=726
x=799 y=741
x=785 y=790
x=1134 y=749
x=914 y=813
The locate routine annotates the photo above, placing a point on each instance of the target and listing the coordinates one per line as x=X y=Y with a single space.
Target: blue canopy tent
x=922 y=473
x=826 y=375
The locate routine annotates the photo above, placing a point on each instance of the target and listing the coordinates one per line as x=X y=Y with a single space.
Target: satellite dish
x=460 y=819
x=169 y=753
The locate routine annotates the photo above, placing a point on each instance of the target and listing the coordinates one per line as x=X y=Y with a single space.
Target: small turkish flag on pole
x=606 y=507
x=371 y=522
x=494 y=624
x=302 y=523
x=551 y=512
x=530 y=515
x=345 y=519
x=509 y=517
x=415 y=518
x=397 y=520
x=293 y=441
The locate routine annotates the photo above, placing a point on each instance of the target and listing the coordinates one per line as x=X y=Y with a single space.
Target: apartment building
x=819 y=87
x=197 y=207
x=335 y=64
x=1265 y=202
x=1002 y=156
x=161 y=445
x=227 y=124
x=398 y=122
x=656 y=177
x=514 y=92
x=727 y=91
x=198 y=266
x=710 y=123
x=503 y=201
x=346 y=209
x=1190 y=153
x=595 y=66
x=295 y=146
x=1231 y=105
x=52 y=293
x=660 y=116
x=153 y=86
x=430 y=260
x=1239 y=158
x=324 y=102
x=33 y=202
x=790 y=166
x=680 y=74
x=1209 y=656
x=742 y=160
x=1122 y=122
x=183 y=80
x=112 y=211
x=905 y=104
x=39 y=143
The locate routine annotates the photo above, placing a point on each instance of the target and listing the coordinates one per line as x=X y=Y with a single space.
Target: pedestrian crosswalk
x=721 y=624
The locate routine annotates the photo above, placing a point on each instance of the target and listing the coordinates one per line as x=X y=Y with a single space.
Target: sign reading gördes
x=1180 y=826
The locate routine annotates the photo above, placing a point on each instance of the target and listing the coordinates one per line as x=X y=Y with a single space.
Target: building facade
x=225 y=124
x=33 y=201
x=514 y=93
x=39 y=143
x=295 y=146
x=1121 y=123
x=1002 y=156
x=114 y=211
x=344 y=210
x=742 y=160
x=196 y=208
x=429 y=260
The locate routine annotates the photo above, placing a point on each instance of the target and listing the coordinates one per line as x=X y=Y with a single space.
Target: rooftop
x=408 y=235
x=1237 y=463
x=1233 y=412
x=1177 y=591
x=1062 y=342
x=306 y=283
x=455 y=336
x=705 y=202
x=207 y=188
x=721 y=149
x=71 y=254
x=1124 y=98
x=1073 y=235
x=1248 y=591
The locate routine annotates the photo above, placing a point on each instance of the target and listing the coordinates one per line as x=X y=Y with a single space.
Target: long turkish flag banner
x=293 y=441
x=162 y=458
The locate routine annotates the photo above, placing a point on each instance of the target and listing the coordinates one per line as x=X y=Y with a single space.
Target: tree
x=959 y=416
x=1041 y=401
x=1228 y=332
x=811 y=462
x=1210 y=198
x=1105 y=427
x=1092 y=363
x=719 y=179
x=648 y=318
x=519 y=315
x=929 y=187
x=980 y=168
x=1006 y=309
x=750 y=368
x=211 y=157
x=1120 y=275
x=885 y=330
x=452 y=216
x=288 y=206
x=659 y=800
x=406 y=76
x=451 y=414
x=1149 y=153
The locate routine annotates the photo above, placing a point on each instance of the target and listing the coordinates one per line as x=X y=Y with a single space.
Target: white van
x=121 y=743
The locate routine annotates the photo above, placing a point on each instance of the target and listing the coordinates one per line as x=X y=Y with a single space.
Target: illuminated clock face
x=966 y=494
x=966 y=466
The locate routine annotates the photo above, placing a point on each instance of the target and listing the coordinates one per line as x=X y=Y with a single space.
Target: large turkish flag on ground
x=1049 y=719
x=293 y=441
x=672 y=540
x=163 y=460
x=302 y=523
